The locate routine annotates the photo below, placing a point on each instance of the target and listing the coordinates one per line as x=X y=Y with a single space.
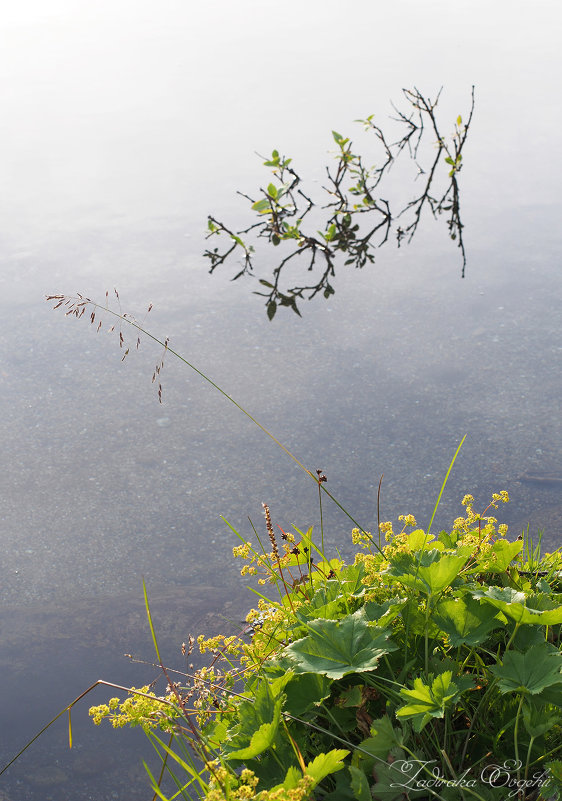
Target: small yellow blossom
x=242 y=551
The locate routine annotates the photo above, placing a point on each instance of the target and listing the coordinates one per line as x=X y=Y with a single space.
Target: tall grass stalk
x=76 y=306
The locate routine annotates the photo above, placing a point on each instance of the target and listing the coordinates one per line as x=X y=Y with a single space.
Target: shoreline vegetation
x=429 y=667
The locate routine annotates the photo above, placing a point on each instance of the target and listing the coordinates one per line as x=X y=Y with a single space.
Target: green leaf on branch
x=420 y=541
x=274 y=161
x=320 y=767
x=330 y=233
x=262 y=206
x=327 y=601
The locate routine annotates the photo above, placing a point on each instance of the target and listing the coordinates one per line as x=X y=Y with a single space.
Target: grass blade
x=445 y=483
x=149 y=616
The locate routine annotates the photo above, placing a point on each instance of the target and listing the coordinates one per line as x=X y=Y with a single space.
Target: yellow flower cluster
x=302 y=792
x=403 y=542
x=220 y=644
x=142 y=708
x=397 y=543
x=243 y=551
x=225 y=787
x=265 y=562
x=253 y=614
x=362 y=538
x=374 y=566
x=474 y=529
x=374 y=563
x=273 y=620
x=502 y=496
x=387 y=530
x=479 y=527
x=268 y=564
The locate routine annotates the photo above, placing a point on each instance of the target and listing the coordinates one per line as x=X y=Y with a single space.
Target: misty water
x=123 y=126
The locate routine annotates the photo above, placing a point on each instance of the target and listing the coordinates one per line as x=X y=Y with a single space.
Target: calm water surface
x=123 y=126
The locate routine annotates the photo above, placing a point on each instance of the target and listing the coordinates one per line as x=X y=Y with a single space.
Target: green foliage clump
x=430 y=667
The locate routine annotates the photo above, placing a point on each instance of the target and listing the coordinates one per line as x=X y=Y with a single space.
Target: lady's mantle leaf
x=385 y=612
x=261 y=739
x=515 y=605
x=324 y=764
x=320 y=767
x=531 y=672
x=359 y=784
x=464 y=620
x=539 y=717
x=425 y=702
x=338 y=647
x=377 y=748
x=259 y=721
x=430 y=573
x=555 y=773
x=304 y=691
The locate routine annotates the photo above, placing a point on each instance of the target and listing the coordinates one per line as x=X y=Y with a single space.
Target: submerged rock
x=549 y=478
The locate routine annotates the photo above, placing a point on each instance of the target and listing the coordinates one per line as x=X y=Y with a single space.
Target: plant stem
x=132 y=322
x=515 y=733
x=321 y=517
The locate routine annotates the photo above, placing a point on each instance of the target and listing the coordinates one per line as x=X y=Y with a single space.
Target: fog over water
x=124 y=124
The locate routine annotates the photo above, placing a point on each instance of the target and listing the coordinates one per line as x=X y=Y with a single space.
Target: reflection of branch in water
x=355 y=219
x=449 y=201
